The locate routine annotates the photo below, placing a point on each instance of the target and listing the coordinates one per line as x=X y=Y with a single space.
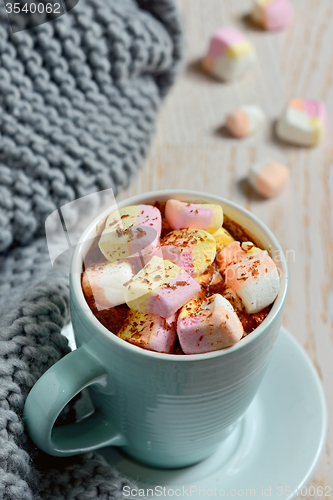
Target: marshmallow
x=105 y=283
x=250 y=248
x=191 y=249
x=208 y=326
x=180 y=215
x=232 y=297
x=268 y=178
x=205 y=280
x=255 y=280
x=222 y=238
x=149 y=331
x=131 y=231
x=271 y=14
x=231 y=254
x=245 y=121
x=303 y=122
x=161 y=287
x=230 y=54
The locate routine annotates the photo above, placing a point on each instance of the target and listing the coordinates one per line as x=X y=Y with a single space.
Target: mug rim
x=76 y=288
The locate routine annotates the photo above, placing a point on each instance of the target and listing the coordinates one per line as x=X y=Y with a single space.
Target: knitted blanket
x=78 y=103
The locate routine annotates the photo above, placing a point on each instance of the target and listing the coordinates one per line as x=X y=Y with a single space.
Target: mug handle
x=50 y=395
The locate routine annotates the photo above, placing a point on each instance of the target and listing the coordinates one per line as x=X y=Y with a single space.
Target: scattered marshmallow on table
x=191 y=249
x=161 y=287
x=209 y=325
x=131 y=231
x=105 y=283
x=231 y=254
x=149 y=331
x=181 y=215
x=303 y=123
x=268 y=177
x=245 y=121
x=255 y=280
x=230 y=54
x=272 y=14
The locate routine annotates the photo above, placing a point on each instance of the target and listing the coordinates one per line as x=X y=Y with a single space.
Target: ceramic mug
x=164 y=410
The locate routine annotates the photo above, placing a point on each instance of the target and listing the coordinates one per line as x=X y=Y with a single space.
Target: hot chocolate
x=179 y=278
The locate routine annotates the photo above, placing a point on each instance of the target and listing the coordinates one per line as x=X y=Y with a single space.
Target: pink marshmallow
x=205 y=326
x=277 y=14
x=237 y=123
x=161 y=288
x=268 y=178
x=149 y=331
x=231 y=254
x=182 y=215
x=272 y=15
x=223 y=39
x=315 y=109
x=171 y=296
x=255 y=280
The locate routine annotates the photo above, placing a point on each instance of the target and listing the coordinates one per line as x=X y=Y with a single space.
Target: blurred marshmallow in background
x=245 y=121
x=271 y=14
x=230 y=54
x=303 y=122
x=268 y=177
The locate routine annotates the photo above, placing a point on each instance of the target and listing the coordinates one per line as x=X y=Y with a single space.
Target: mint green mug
x=164 y=410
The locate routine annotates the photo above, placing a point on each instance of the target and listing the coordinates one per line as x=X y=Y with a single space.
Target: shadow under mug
x=164 y=410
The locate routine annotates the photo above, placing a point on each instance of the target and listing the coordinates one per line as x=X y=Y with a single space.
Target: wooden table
x=192 y=151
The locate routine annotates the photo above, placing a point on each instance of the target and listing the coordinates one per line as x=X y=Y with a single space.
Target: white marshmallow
x=256 y=117
x=255 y=280
x=258 y=295
x=303 y=122
x=105 y=283
x=232 y=68
x=218 y=300
x=230 y=54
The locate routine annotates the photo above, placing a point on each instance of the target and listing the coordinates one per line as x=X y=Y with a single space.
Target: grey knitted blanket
x=78 y=103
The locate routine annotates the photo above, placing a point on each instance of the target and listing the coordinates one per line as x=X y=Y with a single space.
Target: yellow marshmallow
x=222 y=238
x=240 y=49
x=250 y=247
x=191 y=249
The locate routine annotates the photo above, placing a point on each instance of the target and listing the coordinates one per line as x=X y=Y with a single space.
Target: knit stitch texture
x=78 y=104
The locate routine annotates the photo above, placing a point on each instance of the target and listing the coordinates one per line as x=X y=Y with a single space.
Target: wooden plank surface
x=192 y=151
